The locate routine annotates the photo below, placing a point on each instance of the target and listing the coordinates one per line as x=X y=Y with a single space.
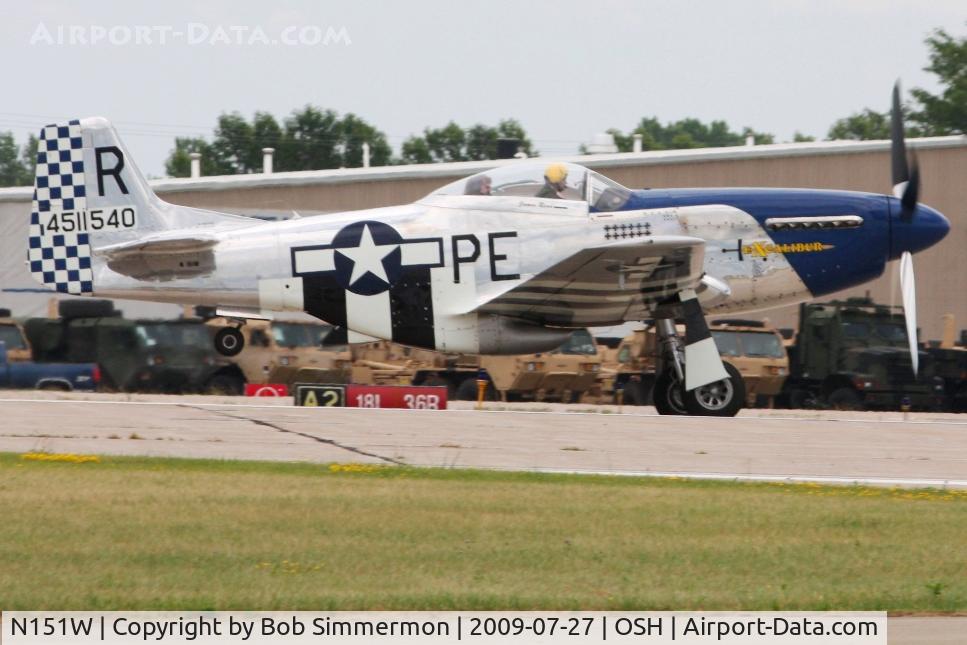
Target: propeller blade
x=906 y=184
x=898 y=149
x=911 y=193
x=908 y=290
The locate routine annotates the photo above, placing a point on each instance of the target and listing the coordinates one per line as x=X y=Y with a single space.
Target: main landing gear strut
x=692 y=378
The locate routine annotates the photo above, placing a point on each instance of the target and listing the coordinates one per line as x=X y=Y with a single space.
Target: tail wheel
x=229 y=341
x=668 y=394
x=719 y=399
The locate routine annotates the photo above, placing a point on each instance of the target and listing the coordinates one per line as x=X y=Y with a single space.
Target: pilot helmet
x=556 y=173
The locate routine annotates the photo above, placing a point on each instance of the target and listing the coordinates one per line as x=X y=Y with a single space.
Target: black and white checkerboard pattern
x=60 y=260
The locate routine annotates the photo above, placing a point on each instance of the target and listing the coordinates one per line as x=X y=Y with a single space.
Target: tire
x=801 y=400
x=844 y=398
x=667 y=394
x=959 y=400
x=54 y=386
x=719 y=399
x=467 y=391
x=226 y=384
x=85 y=308
x=635 y=393
x=229 y=341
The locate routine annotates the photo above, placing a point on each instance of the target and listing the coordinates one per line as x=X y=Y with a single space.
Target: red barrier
x=396 y=396
x=266 y=389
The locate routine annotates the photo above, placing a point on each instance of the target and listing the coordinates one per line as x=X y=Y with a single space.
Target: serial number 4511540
x=86 y=221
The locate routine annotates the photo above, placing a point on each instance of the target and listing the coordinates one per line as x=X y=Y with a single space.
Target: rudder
x=59 y=259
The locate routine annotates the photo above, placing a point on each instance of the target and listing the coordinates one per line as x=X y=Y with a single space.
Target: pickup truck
x=47 y=376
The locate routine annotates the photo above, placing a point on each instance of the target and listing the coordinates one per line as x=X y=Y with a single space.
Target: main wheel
x=844 y=398
x=229 y=341
x=667 y=394
x=719 y=399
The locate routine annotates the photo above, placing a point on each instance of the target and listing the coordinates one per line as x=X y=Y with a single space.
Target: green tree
x=761 y=138
x=28 y=161
x=17 y=163
x=11 y=171
x=354 y=132
x=684 y=133
x=453 y=143
x=799 y=137
x=868 y=124
x=416 y=150
x=946 y=112
x=447 y=143
x=178 y=163
x=233 y=145
x=512 y=129
x=310 y=139
x=266 y=133
x=929 y=115
x=481 y=142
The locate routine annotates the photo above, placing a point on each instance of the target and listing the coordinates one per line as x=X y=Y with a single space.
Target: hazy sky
x=566 y=69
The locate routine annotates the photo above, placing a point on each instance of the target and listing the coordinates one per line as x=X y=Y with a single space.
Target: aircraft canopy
x=545 y=180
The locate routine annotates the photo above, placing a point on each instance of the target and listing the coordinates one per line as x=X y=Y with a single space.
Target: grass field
x=138 y=533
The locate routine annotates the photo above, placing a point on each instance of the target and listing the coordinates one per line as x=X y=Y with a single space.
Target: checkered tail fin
x=88 y=193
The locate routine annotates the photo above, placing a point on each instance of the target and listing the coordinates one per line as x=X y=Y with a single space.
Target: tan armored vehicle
x=752 y=347
x=278 y=351
x=11 y=333
x=564 y=374
x=757 y=350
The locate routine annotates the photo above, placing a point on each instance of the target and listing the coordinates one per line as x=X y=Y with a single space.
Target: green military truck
x=949 y=359
x=854 y=355
x=171 y=356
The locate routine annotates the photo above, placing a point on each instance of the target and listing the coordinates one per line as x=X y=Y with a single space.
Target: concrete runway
x=828 y=447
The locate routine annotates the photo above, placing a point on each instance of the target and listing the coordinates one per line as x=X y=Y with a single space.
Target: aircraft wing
x=605 y=285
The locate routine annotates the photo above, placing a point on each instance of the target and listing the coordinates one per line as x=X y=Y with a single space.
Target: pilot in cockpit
x=555 y=178
x=478 y=185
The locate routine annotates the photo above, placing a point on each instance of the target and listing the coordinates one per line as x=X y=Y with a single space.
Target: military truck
x=134 y=355
x=280 y=351
x=564 y=374
x=853 y=355
x=12 y=335
x=756 y=350
x=753 y=347
x=950 y=364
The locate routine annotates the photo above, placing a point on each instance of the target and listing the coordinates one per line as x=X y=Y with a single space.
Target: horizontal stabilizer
x=158 y=244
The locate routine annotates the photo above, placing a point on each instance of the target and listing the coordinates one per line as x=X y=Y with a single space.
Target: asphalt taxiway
x=916 y=450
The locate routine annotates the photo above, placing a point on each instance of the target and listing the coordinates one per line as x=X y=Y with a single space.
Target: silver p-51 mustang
x=506 y=261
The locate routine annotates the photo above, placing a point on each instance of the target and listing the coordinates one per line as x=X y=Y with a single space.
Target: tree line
x=313 y=138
